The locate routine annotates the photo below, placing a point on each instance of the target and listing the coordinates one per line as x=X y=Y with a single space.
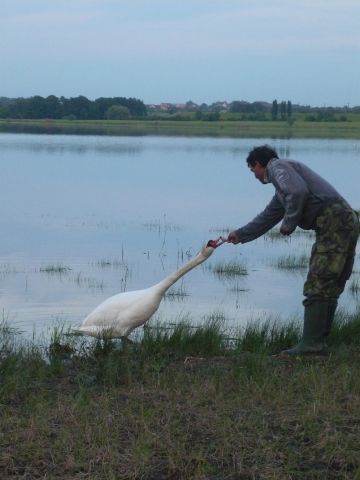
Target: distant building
x=165 y=106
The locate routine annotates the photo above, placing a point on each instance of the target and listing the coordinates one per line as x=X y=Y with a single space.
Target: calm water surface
x=86 y=217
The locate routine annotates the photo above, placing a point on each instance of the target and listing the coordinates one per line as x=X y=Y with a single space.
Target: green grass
x=177 y=292
x=88 y=282
x=256 y=129
x=7 y=269
x=184 y=402
x=229 y=269
x=224 y=231
x=292 y=262
x=274 y=235
x=110 y=262
x=55 y=268
x=355 y=286
x=237 y=288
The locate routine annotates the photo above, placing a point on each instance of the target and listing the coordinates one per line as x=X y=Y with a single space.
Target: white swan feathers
x=120 y=314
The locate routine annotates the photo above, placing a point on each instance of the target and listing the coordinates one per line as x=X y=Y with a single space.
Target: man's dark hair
x=261 y=155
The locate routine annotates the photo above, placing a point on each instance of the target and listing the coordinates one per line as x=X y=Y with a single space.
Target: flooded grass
x=292 y=262
x=275 y=235
x=184 y=255
x=82 y=280
x=221 y=230
x=180 y=403
x=355 y=286
x=161 y=225
x=53 y=268
x=177 y=292
x=8 y=269
x=110 y=262
x=228 y=269
x=238 y=288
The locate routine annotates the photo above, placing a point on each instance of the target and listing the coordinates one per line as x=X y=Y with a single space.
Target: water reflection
x=121 y=213
x=67 y=145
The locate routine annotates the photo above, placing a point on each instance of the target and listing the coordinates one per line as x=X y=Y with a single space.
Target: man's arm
x=263 y=222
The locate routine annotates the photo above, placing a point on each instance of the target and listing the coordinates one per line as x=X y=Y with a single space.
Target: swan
x=119 y=315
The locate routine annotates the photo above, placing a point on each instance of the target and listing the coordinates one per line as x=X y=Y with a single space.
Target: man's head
x=258 y=159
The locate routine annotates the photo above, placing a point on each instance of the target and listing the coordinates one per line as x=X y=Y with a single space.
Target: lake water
x=85 y=217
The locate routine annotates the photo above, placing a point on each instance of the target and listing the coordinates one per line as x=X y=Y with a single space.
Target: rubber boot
x=315 y=328
x=330 y=318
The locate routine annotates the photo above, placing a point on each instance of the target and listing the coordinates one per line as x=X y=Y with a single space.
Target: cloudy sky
x=306 y=51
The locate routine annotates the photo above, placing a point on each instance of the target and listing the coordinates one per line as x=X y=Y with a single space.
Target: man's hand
x=233 y=238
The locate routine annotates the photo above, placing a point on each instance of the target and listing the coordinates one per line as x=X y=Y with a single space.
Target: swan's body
x=120 y=314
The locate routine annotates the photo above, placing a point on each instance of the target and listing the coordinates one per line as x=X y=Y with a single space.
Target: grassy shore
x=256 y=129
x=181 y=403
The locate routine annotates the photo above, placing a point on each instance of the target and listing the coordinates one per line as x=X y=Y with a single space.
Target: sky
x=305 y=51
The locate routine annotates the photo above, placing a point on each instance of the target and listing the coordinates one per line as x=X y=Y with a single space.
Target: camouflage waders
x=331 y=263
x=333 y=253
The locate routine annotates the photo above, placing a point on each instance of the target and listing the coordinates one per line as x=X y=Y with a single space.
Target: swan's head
x=207 y=250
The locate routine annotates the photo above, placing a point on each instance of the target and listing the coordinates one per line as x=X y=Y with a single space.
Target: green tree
x=289 y=109
x=117 y=112
x=80 y=107
x=190 y=106
x=53 y=107
x=283 y=110
x=274 y=110
x=35 y=107
x=211 y=116
x=241 y=107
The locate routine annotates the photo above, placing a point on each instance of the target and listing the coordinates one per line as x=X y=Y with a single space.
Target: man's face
x=258 y=171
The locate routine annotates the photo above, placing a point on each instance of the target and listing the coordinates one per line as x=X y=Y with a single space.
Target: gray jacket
x=300 y=195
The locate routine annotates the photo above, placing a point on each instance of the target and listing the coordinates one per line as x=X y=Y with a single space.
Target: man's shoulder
x=280 y=164
x=285 y=161
x=277 y=164
x=284 y=172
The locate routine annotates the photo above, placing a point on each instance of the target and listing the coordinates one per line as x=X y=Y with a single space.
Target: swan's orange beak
x=216 y=243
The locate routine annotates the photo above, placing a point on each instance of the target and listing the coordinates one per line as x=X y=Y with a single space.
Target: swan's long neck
x=174 y=277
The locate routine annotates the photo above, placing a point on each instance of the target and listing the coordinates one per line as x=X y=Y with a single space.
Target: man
x=304 y=199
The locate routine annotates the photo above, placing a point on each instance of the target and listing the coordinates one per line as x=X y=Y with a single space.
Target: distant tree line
x=118 y=108
x=259 y=110
x=71 y=108
x=248 y=107
x=284 y=110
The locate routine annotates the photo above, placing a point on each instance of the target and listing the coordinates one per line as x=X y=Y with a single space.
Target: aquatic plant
x=53 y=268
x=110 y=262
x=177 y=292
x=354 y=286
x=291 y=262
x=230 y=268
